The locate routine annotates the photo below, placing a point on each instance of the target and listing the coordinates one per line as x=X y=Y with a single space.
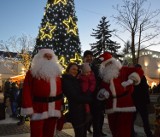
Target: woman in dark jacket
x=76 y=99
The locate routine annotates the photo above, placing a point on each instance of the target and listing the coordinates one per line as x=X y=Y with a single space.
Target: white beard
x=42 y=68
x=109 y=72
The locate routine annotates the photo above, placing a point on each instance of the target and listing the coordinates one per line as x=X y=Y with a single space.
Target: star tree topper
x=58 y=1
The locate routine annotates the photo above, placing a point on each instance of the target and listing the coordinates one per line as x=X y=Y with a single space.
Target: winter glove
x=102 y=94
x=127 y=83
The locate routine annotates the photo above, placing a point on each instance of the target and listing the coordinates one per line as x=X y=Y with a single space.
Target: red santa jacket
x=120 y=99
x=34 y=87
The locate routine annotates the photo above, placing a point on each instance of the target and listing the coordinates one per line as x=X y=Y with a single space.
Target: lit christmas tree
x=59 y=31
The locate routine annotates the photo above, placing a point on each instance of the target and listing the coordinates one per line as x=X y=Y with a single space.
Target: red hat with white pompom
x=106 y=57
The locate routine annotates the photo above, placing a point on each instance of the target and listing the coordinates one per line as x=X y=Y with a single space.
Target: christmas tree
x=104 y=43
x=59 y=31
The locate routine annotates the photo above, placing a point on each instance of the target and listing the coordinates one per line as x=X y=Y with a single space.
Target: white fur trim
x=44 y=115
x=112 y=88
x=106 y=61
x=53 y=87
x=44 y=51
x=26 y=111
x=135 y=77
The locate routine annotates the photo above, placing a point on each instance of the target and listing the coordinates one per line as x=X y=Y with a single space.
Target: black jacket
x=141 y=93
x=76 y=99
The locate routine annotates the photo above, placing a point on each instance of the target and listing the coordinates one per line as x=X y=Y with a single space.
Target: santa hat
x=106 y=57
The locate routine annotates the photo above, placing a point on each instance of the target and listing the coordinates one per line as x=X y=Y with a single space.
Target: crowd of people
x=100 y=86
x=13 y=96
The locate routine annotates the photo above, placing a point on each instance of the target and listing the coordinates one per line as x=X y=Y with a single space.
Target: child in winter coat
x=87 y=80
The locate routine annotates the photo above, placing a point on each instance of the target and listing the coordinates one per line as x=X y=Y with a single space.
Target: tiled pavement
x=66 y=132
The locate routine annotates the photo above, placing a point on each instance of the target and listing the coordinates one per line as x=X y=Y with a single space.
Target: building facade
x=10 y=67
x=150 y=62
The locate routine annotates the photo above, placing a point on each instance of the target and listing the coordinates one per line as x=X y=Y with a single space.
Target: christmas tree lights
x=71 y=26
x=59 y=32
x=47 y=31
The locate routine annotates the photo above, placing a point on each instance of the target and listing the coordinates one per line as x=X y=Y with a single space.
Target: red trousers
x=43 y=128
x=121 y=124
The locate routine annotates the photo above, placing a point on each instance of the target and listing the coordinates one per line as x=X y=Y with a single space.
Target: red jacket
x=41 y=88
x=88 y=82
x=120 y=99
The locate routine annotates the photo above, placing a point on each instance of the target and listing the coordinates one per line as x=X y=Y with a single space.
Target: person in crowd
x=97 y=106
x=88 y=83
x=42 y=95
x=19 y=105
x=13 y=99
x=76 y=99
x=141 y=101
x=117 y=88
x=7 y=89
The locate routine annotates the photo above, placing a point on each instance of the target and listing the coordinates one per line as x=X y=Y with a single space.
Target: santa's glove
x=127 y=83
x=102 y=94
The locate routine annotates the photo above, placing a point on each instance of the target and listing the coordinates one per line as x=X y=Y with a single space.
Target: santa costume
x=116 y=88
x=42 y=94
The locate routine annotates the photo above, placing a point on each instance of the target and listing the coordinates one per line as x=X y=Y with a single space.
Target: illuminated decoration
x=71 y=26
x=62 y=1
x=44 y=31
x=76 y=59
x=63 y=62
x=58 y=30
x=146 y=64
x=25 y=60
x=48 y=5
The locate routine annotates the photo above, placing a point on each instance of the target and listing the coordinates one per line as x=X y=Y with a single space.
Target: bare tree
x=23 y=46
x=141 y=23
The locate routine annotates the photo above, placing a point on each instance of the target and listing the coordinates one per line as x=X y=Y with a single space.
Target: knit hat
x=87 y=52
x=86 y=67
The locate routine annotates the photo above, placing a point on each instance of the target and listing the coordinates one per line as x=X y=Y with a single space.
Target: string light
x=71 y=26
x=62 y=1
x=77 y=59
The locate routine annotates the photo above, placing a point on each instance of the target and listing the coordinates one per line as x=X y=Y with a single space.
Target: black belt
x=121 y=95
x=47 y=99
